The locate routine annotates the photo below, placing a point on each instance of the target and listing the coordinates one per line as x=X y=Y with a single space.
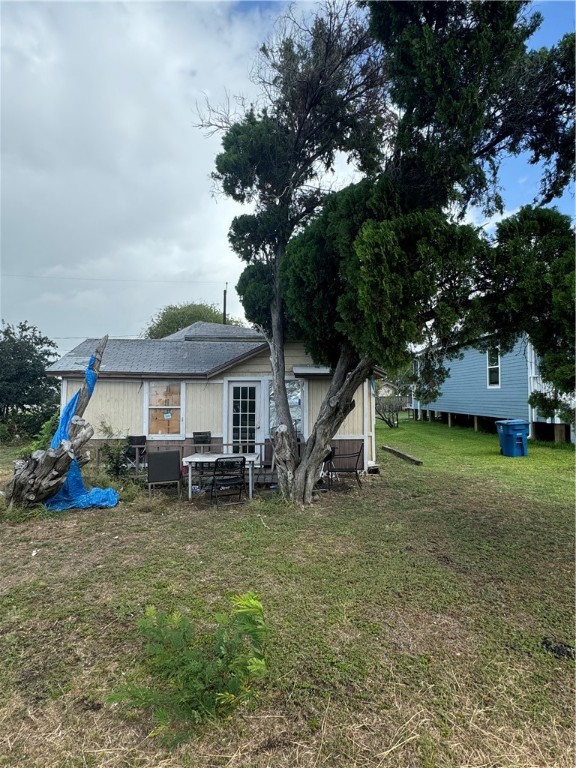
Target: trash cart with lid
x=513 y=436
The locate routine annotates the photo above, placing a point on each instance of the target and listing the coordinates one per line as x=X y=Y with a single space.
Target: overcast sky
x=106 y=207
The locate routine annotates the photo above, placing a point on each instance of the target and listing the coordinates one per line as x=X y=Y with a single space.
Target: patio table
x=210 y=458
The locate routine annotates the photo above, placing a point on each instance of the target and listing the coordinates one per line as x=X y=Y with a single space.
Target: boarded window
x=164 y=408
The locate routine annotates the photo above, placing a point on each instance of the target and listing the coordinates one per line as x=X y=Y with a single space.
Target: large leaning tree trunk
x=297 y=475
x=39 y=477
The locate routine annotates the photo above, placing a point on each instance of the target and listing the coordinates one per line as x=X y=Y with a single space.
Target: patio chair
x=201 y=439
x=201 y=443
x=346 y=463
x=136 y=451
x=164 y=468
x=229 y=479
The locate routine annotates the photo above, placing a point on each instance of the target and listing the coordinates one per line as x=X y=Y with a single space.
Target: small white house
x=206 y=378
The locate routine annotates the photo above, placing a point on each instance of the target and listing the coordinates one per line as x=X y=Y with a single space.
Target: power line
x=113 y=279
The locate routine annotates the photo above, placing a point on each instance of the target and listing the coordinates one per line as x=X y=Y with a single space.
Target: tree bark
x=285 y=442
x=298 y=474
x=337 y=404
x=39 y=477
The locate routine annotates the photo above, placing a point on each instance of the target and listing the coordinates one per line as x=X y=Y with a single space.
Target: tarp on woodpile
x=73 y=494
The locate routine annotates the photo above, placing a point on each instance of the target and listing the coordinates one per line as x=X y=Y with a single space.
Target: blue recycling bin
x=513 y=437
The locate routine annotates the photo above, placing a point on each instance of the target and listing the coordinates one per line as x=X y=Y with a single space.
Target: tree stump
x=39 y=477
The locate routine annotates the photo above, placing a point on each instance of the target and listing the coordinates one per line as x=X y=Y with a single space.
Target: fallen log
x=39 y=476
x=405 y=456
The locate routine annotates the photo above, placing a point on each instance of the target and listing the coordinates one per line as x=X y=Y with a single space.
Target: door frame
x=261 y=410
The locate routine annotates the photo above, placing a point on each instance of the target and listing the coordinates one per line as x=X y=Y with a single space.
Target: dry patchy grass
x=407 y=623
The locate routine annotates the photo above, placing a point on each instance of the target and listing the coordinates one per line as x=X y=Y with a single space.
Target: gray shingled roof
x=214 y=331
x=164 y=357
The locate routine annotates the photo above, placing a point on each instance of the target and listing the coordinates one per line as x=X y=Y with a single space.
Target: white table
x=210 y=458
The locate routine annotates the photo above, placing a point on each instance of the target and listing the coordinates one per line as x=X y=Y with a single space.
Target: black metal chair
x=346 y=463
x=136 y=451
x=164 y=468
x=229 y=479
x=201 y=438
x=201 y=443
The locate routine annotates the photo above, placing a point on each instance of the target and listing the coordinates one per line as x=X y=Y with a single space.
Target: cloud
x=475 y=217
x=104 y=176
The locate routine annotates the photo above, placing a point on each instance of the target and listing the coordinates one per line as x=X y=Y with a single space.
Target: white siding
x=260 y=364
x=119 y=404
x=353 y=424
x=204 y=401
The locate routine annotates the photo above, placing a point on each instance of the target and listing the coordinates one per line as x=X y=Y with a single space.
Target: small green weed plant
x=196 y=678
x=114 y=452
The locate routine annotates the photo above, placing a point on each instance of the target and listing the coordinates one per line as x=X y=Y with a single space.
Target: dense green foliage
x=381 y=280
x=383 y=267
x=455 y=71
x=256 y=289
x=324 y=90
x=175 y=317
x=44 y=437
x=114 y=458
x=527 y=287
x=196 y=677
x=27 y=396
x=469 y=93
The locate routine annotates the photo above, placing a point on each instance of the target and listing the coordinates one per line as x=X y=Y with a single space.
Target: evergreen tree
x=527 y=287
x=27 y=396
x=428 y=107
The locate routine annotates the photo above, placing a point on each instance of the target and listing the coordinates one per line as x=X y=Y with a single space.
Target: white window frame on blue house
x=492 y=367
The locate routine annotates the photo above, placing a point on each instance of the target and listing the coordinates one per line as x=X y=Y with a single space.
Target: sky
x=108 y=212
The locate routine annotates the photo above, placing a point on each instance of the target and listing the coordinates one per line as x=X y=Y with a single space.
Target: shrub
x=44 y=437
x=195 y=678
x=114 y=452
x=5 y=434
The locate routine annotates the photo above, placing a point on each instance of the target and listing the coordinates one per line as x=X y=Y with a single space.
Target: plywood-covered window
x=164 y=408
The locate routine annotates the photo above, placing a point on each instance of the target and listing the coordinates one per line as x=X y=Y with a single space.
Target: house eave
x=240 y=359
x=156 y=375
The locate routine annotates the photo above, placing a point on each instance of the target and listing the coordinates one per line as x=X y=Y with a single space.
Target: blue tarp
x=73 y=494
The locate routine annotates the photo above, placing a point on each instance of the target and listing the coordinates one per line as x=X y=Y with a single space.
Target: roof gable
x=215 y=332
x=195 y=358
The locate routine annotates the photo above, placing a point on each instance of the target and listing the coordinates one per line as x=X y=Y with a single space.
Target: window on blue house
x=493 y=363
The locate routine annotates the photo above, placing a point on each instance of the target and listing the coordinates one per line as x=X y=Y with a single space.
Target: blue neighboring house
x=486 y=386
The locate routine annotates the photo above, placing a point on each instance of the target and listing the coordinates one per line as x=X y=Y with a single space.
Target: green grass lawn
x=407 y=618
x=547 y=472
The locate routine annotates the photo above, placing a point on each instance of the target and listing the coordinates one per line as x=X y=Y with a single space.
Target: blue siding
x=466 y=391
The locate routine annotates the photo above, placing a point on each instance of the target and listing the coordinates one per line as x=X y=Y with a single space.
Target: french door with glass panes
x=244 y=430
